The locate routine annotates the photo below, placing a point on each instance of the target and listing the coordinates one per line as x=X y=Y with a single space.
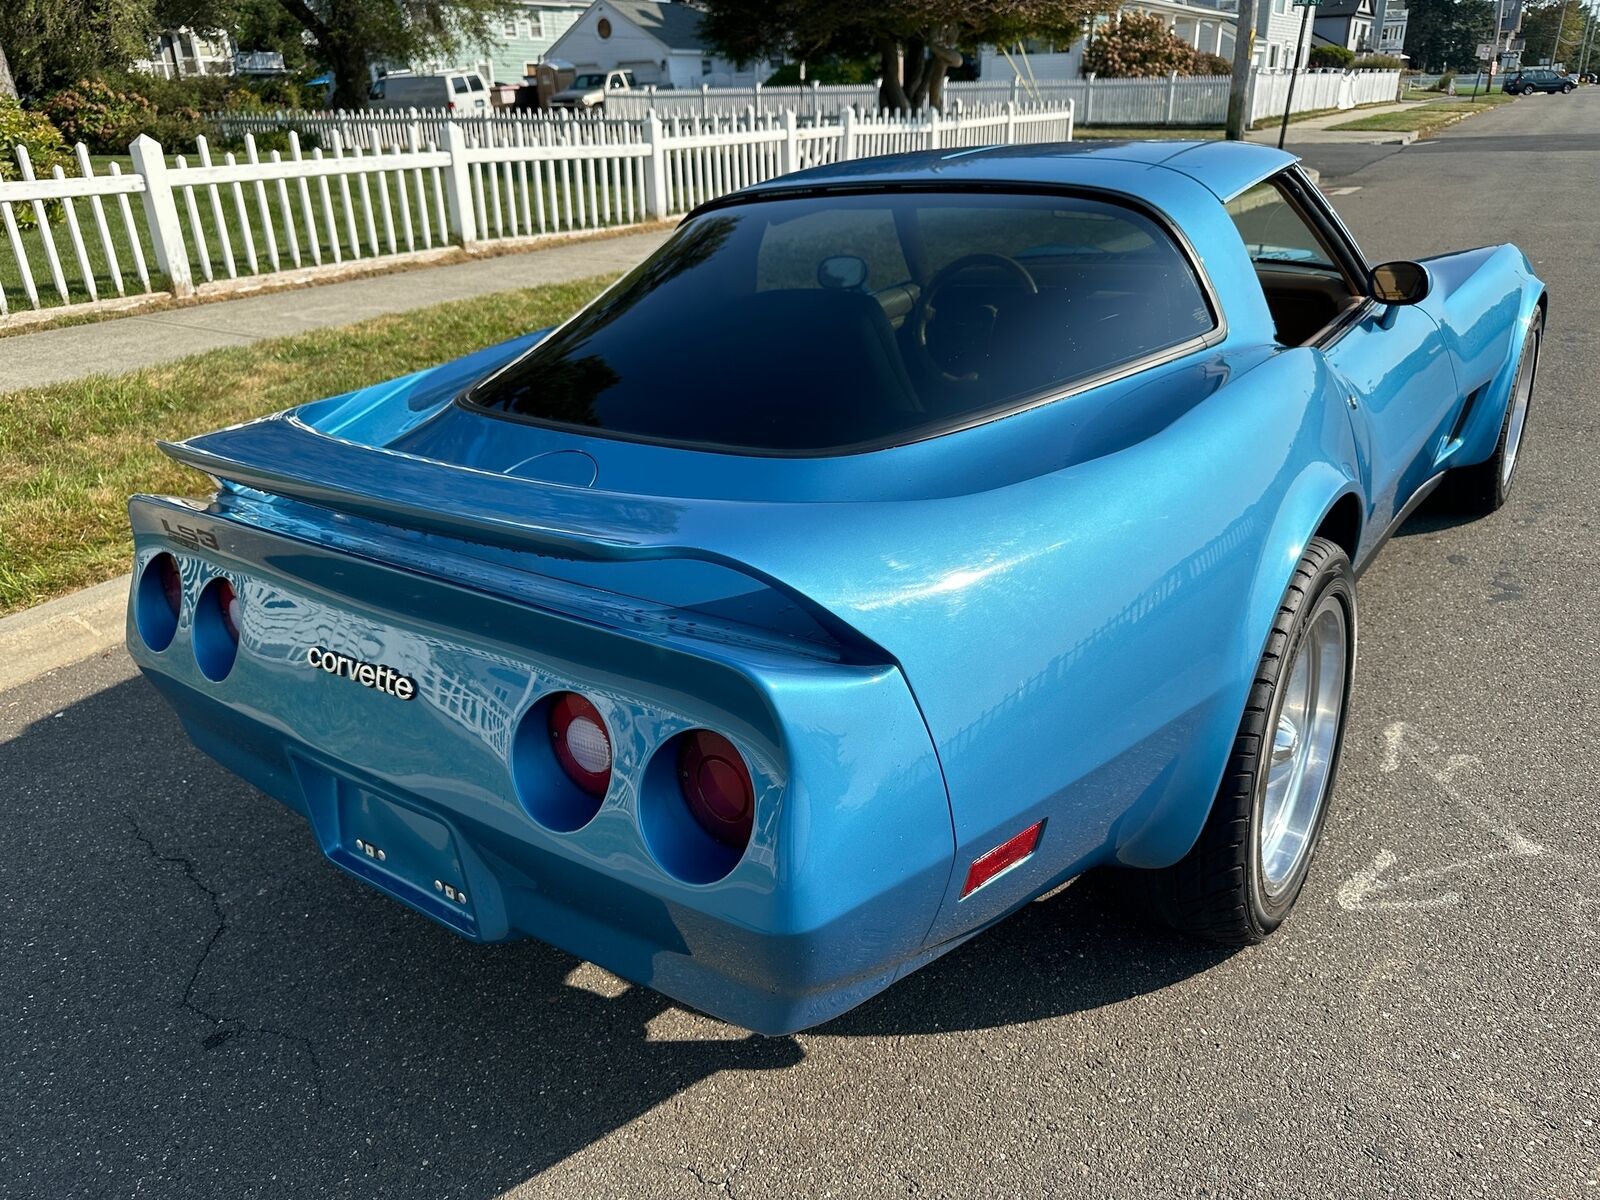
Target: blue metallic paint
x=920 y=650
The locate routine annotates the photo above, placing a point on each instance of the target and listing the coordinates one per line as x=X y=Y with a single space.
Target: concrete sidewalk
x=125 y=343
x=1320 y=131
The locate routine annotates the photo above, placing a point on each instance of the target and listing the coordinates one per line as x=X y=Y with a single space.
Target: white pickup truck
x=589 y=89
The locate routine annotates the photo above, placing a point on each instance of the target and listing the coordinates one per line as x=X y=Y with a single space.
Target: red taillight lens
x=580 y=741
x=171 y=582
x=1002 y=858
x=228 y=607
x=716 y=787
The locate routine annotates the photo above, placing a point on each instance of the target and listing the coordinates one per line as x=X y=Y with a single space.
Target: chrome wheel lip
x=1305 y=724
x=1521 y=396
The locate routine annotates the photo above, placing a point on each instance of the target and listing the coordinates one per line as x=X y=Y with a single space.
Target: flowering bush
x=1141 y=45
x=98 y=115
x=46 y=151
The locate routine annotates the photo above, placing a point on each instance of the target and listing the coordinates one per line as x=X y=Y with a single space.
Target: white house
x=1207 y=25
x=659 y=42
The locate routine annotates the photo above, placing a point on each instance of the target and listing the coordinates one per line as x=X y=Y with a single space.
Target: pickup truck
x=589 y=89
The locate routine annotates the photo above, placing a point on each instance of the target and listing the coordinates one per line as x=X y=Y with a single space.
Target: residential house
x=175 y=53
x=660 y=43
x=519 y=42
x=1390 y=18
x=1347 y=23
x=1207 y=25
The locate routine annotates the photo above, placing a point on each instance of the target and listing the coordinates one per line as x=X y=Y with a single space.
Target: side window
x=1274 y=232
x=458 y=85
x=474 y=83
x=791 y=251
x=1305 y=287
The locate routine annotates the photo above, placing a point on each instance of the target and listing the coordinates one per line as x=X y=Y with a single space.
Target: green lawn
x=1425 y=118
x=300 y=229
x=70 y=454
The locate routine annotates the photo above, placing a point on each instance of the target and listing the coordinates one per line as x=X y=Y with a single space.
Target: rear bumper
x=831 y=902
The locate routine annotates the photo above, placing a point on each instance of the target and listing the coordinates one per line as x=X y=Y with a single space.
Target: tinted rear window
x=827 y=323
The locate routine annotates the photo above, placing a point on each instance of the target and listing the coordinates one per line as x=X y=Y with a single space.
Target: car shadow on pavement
x=199 y=997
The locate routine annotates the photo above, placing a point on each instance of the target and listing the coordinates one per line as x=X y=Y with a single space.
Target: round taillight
x=580 y=742
x=166 y=569
x=158 y=602
x=716 y=787
x=217 y=614
x=228 y=608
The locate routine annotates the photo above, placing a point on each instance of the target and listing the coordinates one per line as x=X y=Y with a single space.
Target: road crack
x=225 y=1027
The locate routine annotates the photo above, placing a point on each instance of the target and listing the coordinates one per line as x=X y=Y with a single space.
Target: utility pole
x=8 y=86
x=1561 y=27
x=1244 y=40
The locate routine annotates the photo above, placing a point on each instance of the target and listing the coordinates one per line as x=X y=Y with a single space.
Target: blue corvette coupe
x=902 y=539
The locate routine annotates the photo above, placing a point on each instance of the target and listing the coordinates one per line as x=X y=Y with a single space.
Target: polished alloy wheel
x=1522 y=392
x=1305 y=735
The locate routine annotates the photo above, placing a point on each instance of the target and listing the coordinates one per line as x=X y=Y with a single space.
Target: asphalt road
x=194 y=1004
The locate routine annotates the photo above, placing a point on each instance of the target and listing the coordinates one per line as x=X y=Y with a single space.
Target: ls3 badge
x=372 y=675
x=189 y=535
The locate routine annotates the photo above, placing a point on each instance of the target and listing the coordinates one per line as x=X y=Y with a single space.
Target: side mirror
x=1399 y=282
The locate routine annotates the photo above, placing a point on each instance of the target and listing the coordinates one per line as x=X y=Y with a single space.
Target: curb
x=61 y=632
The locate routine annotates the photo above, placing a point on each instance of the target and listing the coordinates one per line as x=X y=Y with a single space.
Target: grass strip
x=72 y=453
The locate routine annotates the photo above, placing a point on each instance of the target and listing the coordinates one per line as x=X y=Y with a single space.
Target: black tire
x=1218 y=891
x=1483 y=487
x=1566 y=89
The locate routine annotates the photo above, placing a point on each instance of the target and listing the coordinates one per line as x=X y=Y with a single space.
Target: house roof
x=677 y=26
x=1341 y=8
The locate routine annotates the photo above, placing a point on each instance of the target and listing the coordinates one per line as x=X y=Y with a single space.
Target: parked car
x=1537 y=79
x=458 y=91
x=589 y=89
x=902 y=539
x=1589 y=77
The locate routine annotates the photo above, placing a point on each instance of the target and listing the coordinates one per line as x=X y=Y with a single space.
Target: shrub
x=1209 y=64
x=46 y=151
x=1446 y=82
x=1379 y=62
x=1330 y=56
x=98 y=115
x=1139 y=44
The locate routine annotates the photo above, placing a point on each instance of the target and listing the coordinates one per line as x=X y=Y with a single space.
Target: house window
x=509 y=29
x=705 y=66
x=536 y=24
x=603 y=28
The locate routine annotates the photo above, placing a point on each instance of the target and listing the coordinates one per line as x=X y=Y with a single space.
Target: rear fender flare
x=1172 y=823
x=1480 y=433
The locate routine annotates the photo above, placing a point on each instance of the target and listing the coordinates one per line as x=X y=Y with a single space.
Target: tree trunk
x=891 y=93
x=349 y=61
x=8 y=86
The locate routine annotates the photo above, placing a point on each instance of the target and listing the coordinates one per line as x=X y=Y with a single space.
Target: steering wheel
x=927 y=305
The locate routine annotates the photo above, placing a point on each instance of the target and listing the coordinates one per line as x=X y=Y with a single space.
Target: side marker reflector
x=1002 y=858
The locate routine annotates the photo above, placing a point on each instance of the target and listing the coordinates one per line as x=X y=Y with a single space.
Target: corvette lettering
x=373 y=675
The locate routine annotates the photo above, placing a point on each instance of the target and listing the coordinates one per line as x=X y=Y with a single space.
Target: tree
x=1141 y=45
x=350 y=34
x=915 y=42
x=1553 y=31
x=53 y=43
x=1442 y=34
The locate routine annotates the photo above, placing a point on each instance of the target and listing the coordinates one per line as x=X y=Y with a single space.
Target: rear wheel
x=1483 y=487
x=1242 y=877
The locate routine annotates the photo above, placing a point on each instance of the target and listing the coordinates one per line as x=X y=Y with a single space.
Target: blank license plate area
x=403 y=851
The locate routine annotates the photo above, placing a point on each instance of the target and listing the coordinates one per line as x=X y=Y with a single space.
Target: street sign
x=1307 y=3
x=1486 y=49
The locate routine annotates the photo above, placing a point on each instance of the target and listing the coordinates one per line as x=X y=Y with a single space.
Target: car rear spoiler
x=283 y=456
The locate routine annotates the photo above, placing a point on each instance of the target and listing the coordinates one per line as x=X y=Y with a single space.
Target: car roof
x=1226 y=168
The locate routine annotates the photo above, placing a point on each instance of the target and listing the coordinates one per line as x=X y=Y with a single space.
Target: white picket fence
x=1314 y=90
x=209 y=220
